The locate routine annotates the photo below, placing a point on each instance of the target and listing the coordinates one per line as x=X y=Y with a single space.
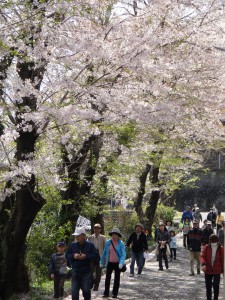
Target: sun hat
x=97 y=225
x=79 y=231
x=116 y=231
x=138 y=224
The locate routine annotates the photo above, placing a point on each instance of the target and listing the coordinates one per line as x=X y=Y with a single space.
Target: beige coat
x=101 y=242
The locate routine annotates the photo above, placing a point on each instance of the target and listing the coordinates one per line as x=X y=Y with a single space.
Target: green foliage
x=122 y=219
x=44 y=233
x=164 y=213
x=126 y=133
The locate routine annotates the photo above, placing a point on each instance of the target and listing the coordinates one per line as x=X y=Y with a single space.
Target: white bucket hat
x=79 y=231
x=116 y=231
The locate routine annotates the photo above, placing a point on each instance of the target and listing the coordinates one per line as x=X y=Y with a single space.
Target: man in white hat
x=99 y=241
x=80 y=254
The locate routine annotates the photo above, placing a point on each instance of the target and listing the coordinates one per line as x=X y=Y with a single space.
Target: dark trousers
x=212 y=280
x=110 y=268
x=81 y=281
x=218 y=228
x=162 y=255
x=97 y=272
x=59 y=286
x=173 y=252
x=185 y=240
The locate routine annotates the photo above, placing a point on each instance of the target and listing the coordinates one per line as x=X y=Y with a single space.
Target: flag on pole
x=83 y=222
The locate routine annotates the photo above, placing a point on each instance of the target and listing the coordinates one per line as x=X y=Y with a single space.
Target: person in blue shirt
x=79 y=256
x=187 y=214
x=113 y=258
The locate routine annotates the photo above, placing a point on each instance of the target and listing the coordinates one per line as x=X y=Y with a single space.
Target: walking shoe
x=138 y=275
x=95 y=288
x=131 y=275
x=114 y=296
x=160 y=269
x=192 y=274
x=174 y=258
x=198 y=272
x=104 y=296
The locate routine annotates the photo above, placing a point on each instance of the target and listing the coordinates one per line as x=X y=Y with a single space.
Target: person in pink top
x=113 y=258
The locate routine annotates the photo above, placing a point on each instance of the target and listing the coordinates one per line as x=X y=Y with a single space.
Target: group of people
x=87 y=255
x=205 y=246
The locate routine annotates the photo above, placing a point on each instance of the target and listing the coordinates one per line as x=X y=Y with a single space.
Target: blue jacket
x=83 y=265
x=120 y=249
x=187 y=214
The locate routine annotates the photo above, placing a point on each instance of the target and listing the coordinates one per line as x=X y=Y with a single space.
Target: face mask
x=214 y=244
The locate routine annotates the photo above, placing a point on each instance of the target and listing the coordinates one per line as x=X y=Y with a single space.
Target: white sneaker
x=131 y=275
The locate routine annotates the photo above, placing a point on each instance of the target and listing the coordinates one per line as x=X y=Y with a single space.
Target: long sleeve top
x=206 y=259
x=195 y=238
x=138 y=244
x=163 y=236
x=120 y=252
x=82 y=265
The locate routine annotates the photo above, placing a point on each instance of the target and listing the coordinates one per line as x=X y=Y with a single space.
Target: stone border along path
x=174 y=283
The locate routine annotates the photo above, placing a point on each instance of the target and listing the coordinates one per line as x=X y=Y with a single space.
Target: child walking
x=186 y=228
x=58 y=270
x=173 y=245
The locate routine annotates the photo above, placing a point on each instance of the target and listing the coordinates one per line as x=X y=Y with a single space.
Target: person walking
x=212 y=217
x=221 y=233
x=113 y=258
x=212 y=260
x=163 y=240
x=99 y=241
x=173 y=245
x=139 y=244
x=195 y=238
x=206 y=233
x=58 y=270
x=186 y=228
x=197 y=214
x=187 y=214
x=219 y=220
x=79 y=255
x=155 y=237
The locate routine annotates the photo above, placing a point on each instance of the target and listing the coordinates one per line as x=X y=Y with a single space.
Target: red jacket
x=206 y=256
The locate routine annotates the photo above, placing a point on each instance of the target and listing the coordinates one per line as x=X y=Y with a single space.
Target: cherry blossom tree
x=73 y=70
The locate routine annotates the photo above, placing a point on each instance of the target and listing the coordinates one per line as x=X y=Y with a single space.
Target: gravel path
x=170 y=284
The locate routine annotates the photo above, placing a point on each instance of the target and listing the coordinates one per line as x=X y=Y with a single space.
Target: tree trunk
x=16 y=216
x=151 y=209
x=139 y=200
x=13 y=272
x=19 y=210
x=79 y=187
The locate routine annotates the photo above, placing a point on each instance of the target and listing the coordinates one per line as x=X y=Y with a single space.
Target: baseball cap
x=79 y=231
x=195 y=221
x=61 y=243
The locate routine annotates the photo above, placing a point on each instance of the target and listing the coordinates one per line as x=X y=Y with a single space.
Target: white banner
x=83 y=222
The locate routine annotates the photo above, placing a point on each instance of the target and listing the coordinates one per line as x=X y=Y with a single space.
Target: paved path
x=174 y=283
